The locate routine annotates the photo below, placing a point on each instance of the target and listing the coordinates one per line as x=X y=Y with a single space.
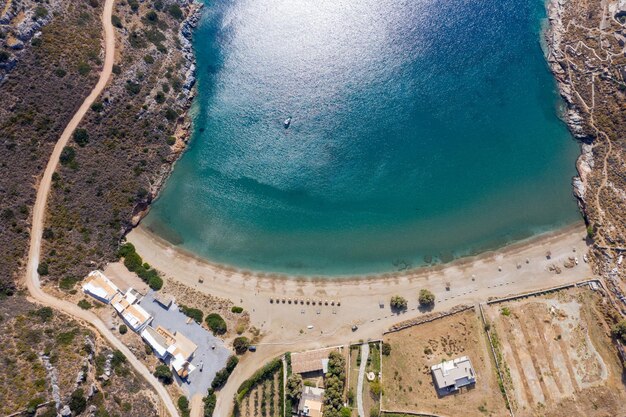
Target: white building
x=173 y=348
x=100 y=287
x=453 y=375
x=136 y=317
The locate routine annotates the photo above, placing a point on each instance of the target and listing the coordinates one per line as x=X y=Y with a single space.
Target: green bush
x=148 y=59
x=84 y=304
x=216 y=323
x=42 y=269
x=619 y=330
x=194 y=313
x=41 y=12
x=241 y=344
x=398 y=303
x=183 y=405
x=132 y=88
x=80 y=136
x=97 y=107
x=209 y=403
x=116 y=21
x=237 y=309
x=123 y=329
x=386 y=349
x=4 y=56
x=152 y=16
x=164 y=374
x=67 y=155
x=426 y=298
x=44 y=313
x=60 y=72
x=78 y=402
x=67 y=283
x=175 y=11
x=83 y=68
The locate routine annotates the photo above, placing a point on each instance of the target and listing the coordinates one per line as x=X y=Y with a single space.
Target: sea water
x=421 y=131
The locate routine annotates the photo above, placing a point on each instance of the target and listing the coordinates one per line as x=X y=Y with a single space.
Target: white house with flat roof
x=100 y=287
x=452 y=375
x=173 y=348
x=136 y=317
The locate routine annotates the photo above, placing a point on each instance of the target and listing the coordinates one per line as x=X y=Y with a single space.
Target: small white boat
x=287 y=122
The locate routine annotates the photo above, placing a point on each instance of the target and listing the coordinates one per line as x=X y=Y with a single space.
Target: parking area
x=211 y=351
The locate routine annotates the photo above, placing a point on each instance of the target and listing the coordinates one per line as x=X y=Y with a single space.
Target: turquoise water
x=421 y=131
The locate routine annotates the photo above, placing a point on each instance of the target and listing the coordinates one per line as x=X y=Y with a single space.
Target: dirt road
x=39 y=210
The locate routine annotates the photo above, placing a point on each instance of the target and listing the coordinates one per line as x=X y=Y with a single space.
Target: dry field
x=407 y=382
x=558 y=355
x=263 y=400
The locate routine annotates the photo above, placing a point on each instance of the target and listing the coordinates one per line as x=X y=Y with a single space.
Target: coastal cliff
x=587 y=55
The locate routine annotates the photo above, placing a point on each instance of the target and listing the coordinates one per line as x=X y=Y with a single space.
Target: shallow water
x=421 y=131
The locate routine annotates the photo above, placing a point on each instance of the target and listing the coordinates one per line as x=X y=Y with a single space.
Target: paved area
x=365 y=352
x=212 y=359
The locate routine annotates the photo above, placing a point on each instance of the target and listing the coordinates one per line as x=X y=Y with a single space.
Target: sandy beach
x=514 y=269
x=472 y=280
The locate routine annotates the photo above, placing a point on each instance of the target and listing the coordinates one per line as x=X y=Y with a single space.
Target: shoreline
x=509 y=248
x=279 y=306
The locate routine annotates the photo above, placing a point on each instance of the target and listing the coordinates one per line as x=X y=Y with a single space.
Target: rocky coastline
x=573 y=114
x=182 y=133
x=586 y=52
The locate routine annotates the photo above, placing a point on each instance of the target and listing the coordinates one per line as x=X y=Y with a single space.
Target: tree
x=78 y=402
x=81 y=137
x=216 y=323
x=222 y=375
x=398 y=303
x=163 y=373
x=294 y=387
x=209 y=403
x=123 y=329
x=240 y=344
x=426 y=298
x=386 y=350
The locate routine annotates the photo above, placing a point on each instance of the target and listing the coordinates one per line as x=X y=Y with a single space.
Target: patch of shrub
x=132 y=88
x=67 y=155
x=123 y=329
x=209 y=403
x=60 y=72
x=222 y=375
x=386 y=349
x=84 y=304
x=97 y=106
x=41 y=12
x=241 y=344
x=216 y=323
x=78 y=402
x=175 y=11
x=426 y=298
x=83 y=68
x=237 y=309
x=148 y=59
x=117 y=22
x=194 y=313
x=80 y=136
x=67 y=283
x=42 y=269
x=164 y=374
x=183 y=405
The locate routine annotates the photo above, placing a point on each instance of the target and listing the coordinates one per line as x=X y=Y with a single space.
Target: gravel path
x=365 y=352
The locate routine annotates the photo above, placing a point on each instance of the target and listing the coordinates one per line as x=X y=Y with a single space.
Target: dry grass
x=558 y=355
x=407 y=382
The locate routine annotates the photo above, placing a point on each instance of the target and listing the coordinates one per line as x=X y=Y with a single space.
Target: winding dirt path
x=39 y=210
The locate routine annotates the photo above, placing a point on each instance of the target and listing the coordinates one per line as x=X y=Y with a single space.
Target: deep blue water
x=421 y=130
